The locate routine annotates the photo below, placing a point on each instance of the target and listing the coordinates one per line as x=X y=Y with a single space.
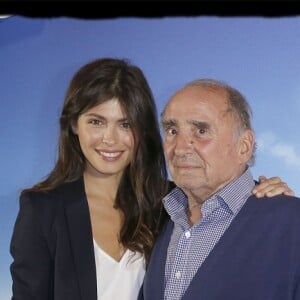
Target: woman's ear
x=74 y=128
x=246 y=148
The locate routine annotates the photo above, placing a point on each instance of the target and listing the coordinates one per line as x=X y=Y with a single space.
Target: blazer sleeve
x=32 y=267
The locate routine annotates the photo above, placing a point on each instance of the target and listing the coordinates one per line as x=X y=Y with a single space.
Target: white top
x=118 y=280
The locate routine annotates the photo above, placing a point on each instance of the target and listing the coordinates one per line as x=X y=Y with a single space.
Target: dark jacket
x=257 y=258
x=52 y=246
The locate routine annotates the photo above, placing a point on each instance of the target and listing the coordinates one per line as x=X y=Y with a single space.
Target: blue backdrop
x=38 y=56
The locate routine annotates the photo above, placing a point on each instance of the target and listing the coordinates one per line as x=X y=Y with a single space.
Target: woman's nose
x=109 y=137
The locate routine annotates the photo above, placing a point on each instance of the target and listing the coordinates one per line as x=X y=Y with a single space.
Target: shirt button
x=178 y=274
x=187 y=234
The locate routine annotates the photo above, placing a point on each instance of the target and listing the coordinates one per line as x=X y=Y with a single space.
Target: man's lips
x=186 y=166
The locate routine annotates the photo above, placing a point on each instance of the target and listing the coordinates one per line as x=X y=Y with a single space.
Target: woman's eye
x=126 y=125
x=95 y=122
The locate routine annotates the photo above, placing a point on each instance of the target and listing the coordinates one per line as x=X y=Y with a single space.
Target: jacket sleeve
x=32 y=266
x=141 y=295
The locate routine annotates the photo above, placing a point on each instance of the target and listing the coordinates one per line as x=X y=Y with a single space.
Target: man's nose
x=184 y=144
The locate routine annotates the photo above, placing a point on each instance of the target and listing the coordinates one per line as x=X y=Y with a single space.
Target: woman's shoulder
x=51 y=197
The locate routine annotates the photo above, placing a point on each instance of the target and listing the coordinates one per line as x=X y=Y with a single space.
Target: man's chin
x=188 y=184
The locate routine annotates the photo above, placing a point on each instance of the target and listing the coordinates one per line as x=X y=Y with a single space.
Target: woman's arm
x=32 y=268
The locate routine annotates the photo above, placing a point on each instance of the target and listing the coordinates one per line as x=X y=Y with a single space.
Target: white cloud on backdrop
x=269 y=143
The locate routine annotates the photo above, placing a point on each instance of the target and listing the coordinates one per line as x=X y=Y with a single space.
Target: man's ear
x=246 y=145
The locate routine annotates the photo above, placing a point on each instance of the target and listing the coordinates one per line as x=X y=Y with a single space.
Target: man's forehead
x=194 y=110
x=186 y=121
x=198 y=95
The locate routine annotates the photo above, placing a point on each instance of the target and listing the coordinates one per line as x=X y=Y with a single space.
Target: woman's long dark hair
x=144 y=181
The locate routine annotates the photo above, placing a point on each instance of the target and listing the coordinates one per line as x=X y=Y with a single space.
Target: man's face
x=202 y=146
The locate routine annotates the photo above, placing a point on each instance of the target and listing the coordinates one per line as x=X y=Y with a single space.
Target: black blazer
x=52 y=246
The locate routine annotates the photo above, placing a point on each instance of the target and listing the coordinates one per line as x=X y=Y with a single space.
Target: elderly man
x=222 y=243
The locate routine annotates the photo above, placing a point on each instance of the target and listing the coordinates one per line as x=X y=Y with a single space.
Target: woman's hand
x=270 y=187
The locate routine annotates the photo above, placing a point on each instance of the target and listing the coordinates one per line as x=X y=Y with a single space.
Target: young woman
x=87 y=230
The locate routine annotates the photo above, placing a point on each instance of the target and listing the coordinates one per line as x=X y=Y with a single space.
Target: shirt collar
x=237 y=191
x=233 y=195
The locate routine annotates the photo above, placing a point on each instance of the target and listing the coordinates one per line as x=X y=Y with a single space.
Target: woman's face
x=106 y=139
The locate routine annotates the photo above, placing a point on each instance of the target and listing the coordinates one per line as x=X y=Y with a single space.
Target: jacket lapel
x=81 y=239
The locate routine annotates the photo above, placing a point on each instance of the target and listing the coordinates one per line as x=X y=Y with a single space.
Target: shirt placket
x=175 y=286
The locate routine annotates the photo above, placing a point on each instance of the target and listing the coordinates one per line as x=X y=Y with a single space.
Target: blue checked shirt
x=189 y=246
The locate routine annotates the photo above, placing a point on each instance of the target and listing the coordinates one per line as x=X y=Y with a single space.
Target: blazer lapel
x=81 y=239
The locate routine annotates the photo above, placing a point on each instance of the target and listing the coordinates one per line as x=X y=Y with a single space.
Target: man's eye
x=201 y=131
x=171 y=131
